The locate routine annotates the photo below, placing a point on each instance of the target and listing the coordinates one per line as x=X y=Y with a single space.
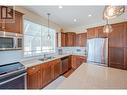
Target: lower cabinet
x=47 y=73
x=34 y=77
x=41 y=75
x=57 y=68
x=116 y=57
x=76 y=61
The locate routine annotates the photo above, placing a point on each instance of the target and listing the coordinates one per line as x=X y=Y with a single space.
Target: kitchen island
x=91 y=76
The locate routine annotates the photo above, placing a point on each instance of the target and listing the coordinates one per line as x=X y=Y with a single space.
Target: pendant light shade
x=109 y=13
x=113 y=11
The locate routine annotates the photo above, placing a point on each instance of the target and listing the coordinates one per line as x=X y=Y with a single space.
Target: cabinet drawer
x=33 y=69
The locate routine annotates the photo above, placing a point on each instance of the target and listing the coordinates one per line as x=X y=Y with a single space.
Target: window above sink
x=35 y=39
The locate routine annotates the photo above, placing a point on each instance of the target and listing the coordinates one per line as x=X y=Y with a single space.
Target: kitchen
x=46 y=47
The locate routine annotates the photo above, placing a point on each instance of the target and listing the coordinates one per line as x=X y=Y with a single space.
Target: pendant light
x=49 y=37
x=113 y=11
x=107 y=28
x=109 y=13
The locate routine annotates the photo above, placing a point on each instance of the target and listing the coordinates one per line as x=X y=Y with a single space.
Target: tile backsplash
x=10 y=56
x=73 y=50
x=16 y=56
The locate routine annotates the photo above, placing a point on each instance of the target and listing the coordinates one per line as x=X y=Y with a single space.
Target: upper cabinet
x=117 y=36
x=15 y=25
x=100 y=32
x=96 y=32
x=81 y=39
x=70 y=39
x=92 y=33
x=63 y=41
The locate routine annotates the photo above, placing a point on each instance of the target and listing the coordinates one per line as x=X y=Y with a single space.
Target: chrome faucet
x=44 y=56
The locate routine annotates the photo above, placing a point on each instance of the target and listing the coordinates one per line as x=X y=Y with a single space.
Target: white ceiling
x=65 y=16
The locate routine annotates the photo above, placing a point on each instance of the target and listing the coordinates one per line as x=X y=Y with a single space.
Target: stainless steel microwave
x=10 y=41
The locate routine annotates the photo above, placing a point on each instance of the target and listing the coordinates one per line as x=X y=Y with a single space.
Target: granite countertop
x=91 y=76
x=36 y=61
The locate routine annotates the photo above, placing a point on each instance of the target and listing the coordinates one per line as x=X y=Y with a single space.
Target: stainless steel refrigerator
x=97 y=50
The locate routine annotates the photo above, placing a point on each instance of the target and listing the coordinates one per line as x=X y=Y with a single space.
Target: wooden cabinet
x=81 y=39
x=92 y=33
x=117 y=44
x=125 y=57
x=96 y=32
x=14 y=25
x=51 y=70
x=17 y=25
x=63 y=39
x=76 y=61
x=117 y=36
x=57 y=67
x=34 y=77
x=116 y=57
x=47 y=73
x=70 y=39
x=100 y=32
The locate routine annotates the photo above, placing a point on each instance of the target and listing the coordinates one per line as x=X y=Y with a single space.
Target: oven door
x=7 y=43
x=14 y=82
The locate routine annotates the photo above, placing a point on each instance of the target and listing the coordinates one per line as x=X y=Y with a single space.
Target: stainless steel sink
x=47 y=58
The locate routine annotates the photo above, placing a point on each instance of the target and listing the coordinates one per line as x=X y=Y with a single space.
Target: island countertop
x=91 y=76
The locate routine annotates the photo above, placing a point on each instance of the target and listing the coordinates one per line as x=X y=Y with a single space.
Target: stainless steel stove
x=12 y=76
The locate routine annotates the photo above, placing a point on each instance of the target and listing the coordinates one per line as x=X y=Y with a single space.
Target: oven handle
x=13 y=78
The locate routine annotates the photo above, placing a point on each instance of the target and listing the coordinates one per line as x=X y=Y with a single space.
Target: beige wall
x=36 y=18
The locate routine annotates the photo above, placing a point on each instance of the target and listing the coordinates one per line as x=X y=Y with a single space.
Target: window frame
x=41 y=51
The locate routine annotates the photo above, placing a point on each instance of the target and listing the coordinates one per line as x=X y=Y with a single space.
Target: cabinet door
x=1 y=27
x=34 y=78
x=63 y=39
x=92 y=33
x=47 y=73
x=81 y=39
x=117 y=36
x=125 y=57
x=116 y=58
x=70 y=39
x=73 y=62
x=101 y=34
x=69 y=62
x=2 y=21
x=17 y=25
x=57 y=68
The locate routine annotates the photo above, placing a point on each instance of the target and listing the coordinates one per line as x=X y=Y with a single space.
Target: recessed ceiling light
x=75 y=20
x=89 y=15
x=60 y=7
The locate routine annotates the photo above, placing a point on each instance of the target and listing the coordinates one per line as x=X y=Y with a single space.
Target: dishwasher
x=13 y=76
x=65 y=64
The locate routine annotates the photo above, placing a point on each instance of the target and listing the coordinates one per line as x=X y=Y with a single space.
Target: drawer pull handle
x=33 y=68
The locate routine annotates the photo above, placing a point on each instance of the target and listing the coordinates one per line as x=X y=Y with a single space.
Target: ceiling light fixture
x=113 y=11
x=48 y=26
x=75 y=20
x=89 y=15
x=109 y=13
x=60 y=7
